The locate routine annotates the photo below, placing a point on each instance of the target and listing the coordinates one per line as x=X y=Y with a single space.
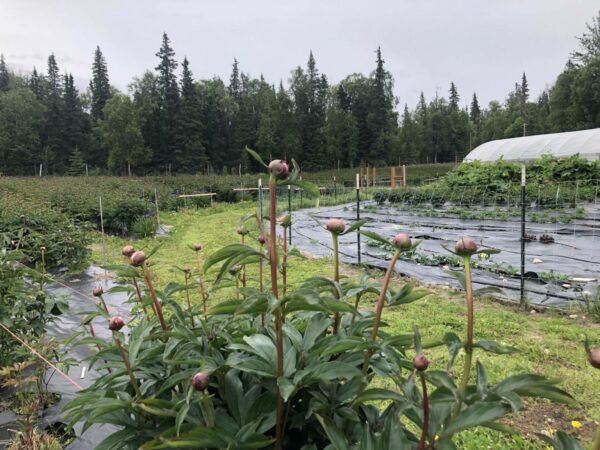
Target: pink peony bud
x=465 y=247
x=402 y=241
x=116 y=323
x=200 y=381
x=97 y=291
x=262 y=239
x=279 y=169
x=197 y=247
x=420 y=362
x=128 y=250
x=186 y=269
x=138 y=258
x=335 y=226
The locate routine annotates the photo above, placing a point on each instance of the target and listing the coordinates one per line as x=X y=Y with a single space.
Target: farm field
x=57 y=224
x=548 y=344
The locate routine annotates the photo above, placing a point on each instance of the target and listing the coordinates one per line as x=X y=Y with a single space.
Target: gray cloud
x=482 y=46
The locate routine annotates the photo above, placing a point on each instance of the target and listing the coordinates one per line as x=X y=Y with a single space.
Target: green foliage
x=31 y=226
x=144 y=227
x=328 y=396
x=25 y=308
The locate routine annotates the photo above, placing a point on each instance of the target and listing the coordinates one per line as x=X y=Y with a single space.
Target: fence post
x=102 y=229
x=335 y=186
x=290 y=209
x=523 y=182
x=358 y=216
x=156 y=205
x=260 y=200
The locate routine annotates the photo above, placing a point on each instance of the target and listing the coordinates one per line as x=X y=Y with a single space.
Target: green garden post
x=290 y=209
x=358 y=216
x=523 y=182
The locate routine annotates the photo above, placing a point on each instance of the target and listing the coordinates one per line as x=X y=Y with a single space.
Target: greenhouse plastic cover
x=586 y=143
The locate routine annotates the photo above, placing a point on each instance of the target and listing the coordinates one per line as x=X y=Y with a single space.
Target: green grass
x=548 y=344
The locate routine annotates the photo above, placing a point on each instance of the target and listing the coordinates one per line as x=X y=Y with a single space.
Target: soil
x=574 y=256
x=542 y=417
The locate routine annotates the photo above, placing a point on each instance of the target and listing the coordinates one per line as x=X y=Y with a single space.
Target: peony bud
x=200 y=381
x=402 y=241
x=116 y=323
x=594 y=358
x=197 y=247
x=335 y=226
x=242 y=231
x=465 y=247
x=262 y=239
x=97 y=291
x=138 y=258
x=186 y=269
x=420 y=362
x=128 y=250
x=279 y=169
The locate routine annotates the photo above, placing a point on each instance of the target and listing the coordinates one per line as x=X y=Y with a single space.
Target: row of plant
x=545 y=170
x=276 y=367
x=119 y=203
x=41 y=234
x=25 y=311
x=540 y=195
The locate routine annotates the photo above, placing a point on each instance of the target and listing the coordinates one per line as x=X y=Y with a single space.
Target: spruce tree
x=4 y=76
x=382 y=118
x=454 y=97
x=53 y=132
x=168 y=105
x=36 y=84
x=190 y=155
x=76 y=163
x=99 y=85
x=475 y=113
x=235 y=86
x=74 y=120
x=524 y=97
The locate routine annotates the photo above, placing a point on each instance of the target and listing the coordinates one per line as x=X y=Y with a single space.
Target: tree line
x=170 y=122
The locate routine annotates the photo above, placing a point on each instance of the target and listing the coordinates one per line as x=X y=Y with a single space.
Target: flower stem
x=201 y=283
x=469 y=343
x=336 y=277
x=139 y=295
x=243 y=268
x=104 y=304
x=470 y=319
x=157 y=307
x=278 y=318
x=136 y=388
x=356 y=302
x=379 y=307
x=260 y=281
x=425 y=429
x=187 y=297
x=284 y=262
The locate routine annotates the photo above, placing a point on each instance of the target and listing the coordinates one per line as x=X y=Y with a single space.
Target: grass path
x=548 y=344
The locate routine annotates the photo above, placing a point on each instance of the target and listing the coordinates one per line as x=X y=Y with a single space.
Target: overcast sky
x=481 y=45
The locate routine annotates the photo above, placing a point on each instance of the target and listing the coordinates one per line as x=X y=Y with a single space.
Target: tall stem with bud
x=401 y=242
x=278 y=318
x=466 y=247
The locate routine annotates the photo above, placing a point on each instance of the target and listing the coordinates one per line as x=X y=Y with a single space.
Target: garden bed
x=559 y=274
